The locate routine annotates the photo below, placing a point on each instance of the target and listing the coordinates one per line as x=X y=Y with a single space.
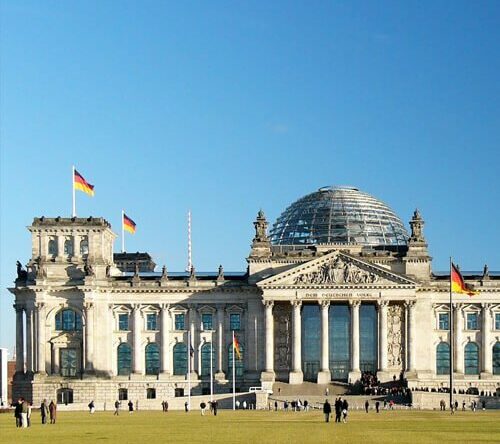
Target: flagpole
x=451 y=338
x=189 y=370
x=123 y=233
x=211 y=371
x=73 y=190
x=234 y=385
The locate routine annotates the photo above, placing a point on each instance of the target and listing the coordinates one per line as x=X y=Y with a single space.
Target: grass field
x=257 y=427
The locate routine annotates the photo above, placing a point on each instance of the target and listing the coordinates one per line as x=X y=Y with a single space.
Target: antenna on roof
x=190 y=252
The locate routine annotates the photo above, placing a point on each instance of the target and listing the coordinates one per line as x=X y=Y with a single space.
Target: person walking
x=17 y=412
x=377 y=406
x=53 y=412
x=117 y=408
x=327 y=410
x=186 y=407
x=338 y=409
x=28 y=417
x=44 y=411
x=130 y=407
x=345 y=410
x=166 y=406
x=367 y=406
x=214 y=406
x=24 y=413
x=203 y=406
x=275 y=406
x=91 y=407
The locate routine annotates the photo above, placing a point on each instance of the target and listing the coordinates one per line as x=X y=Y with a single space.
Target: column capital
x=40 y=305
x=164 y=306
x=18 y=308
x=383 y=303
x=88 y=305
x=268 y=303
x=409 y=303
x=220 y=306
x=296 y=303
x=354 y=303
x=486 y=306
x=324 y=303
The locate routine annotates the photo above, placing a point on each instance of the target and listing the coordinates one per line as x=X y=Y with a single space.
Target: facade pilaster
x=382 y=340
x=296 y=375
x=194 y=339
x=487 y=361
x=41 y=360
x=220 y=343
x=355 y=372
x=411 y=332
x=459 y=350
x=19 y=339
x=89 y=336
x=136 y=318
x=165 y=338
x=29 y=338
x=324 y=376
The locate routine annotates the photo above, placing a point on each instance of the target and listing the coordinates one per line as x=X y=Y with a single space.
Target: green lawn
x=257 y=427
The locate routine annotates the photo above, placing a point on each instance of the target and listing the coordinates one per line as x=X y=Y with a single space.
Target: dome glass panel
x=339 y=215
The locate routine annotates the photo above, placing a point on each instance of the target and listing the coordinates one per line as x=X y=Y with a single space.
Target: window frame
x=209 y=324
x=440 y=314
x=118 y=321
x=183 y=314
x=476 y=317
x=231 y=326
x=496 y=320
x=148 y=326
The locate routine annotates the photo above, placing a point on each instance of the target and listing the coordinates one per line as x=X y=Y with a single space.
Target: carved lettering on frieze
x=338 y=271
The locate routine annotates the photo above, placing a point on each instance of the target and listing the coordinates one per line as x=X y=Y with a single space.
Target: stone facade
x=72 y=270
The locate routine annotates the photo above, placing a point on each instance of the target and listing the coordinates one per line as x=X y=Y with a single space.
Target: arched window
x=84 y=247
x=68 y=247
x=471 y=359
x=205 y=358
x=496 y=359
x=68 y=320
x=124 y=359
x=152 y=359
x=238 y=363
x=180 y=359
x=52 y=246
x=443 y=358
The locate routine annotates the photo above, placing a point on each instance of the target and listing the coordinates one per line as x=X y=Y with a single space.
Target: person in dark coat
x=17 y=412
x=214 y=406
x=44 y=411
x=53 y=412
x=327 y=410
x=377 y=407
x=130 y=407
x=338 y=409
x=367 y=406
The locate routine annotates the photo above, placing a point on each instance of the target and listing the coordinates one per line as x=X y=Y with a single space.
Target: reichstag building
x=336 y=287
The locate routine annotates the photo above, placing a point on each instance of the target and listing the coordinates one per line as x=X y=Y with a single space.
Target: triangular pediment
x=334 y=269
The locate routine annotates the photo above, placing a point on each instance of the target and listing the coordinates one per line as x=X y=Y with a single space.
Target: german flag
x=236 y=346
x=79 y=183
x=128 y=224
x=458 y=284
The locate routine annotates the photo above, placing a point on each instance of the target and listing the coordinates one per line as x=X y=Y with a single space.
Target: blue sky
x=227 y=107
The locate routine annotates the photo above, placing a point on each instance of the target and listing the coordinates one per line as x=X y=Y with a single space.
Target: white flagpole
x=211 y=371
x=123 y=233
x=73 y=190
x=234 y=385
x=189 y=371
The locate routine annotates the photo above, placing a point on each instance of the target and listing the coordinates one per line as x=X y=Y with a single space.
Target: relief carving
x=338 y=271
x=282 y=336
x=395 y=336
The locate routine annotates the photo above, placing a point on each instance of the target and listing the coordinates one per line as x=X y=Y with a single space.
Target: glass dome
x=339 y=215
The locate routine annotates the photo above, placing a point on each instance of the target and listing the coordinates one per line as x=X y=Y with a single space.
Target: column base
x=324 y=377
x=486 y=375
x=296 y=377
x=220 y=376
x=354 y=375
x=134 y=376
x=165 y=375
x=386 y=376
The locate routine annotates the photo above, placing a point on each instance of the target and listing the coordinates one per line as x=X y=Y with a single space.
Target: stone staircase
x=293 y=391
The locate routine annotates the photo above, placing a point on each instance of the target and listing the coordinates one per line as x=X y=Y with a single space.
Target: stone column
x=60 y=247
x=19 y=339
x=382 y=340
x=138 y=355
x=76 y=246
x=411 y=332
x=296 y=375
x=194 y=341
x=29 y=338
x=219 y=375
x=165 y=338
x=487 y=361
x=459 y=350
x=89 y=336
x=355 y=372
x=324 y=376
x=269 y=323
x=41 y=365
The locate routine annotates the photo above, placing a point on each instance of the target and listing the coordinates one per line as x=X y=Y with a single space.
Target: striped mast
x=123 y=231
x=234 y=384
x=73 y=214
x=190 y=252
x=452 y=334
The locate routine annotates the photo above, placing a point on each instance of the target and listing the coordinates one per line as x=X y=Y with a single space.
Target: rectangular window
x=444 y=321
x=497 y=321
x=151 y=393
x=206 y=319
x=122 y=394
x=471 y=321
x=151 y=321
x=179 y=321
x=123 y=322
x=234 y=322
x=68 y=362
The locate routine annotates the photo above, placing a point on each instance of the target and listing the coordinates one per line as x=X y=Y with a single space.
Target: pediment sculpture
x=337 y=271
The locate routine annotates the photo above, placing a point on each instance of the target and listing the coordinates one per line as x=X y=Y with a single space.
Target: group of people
x=341 y=410
x=454 y=406
x=295 y=406
x=22 y=412
x=213 y=406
